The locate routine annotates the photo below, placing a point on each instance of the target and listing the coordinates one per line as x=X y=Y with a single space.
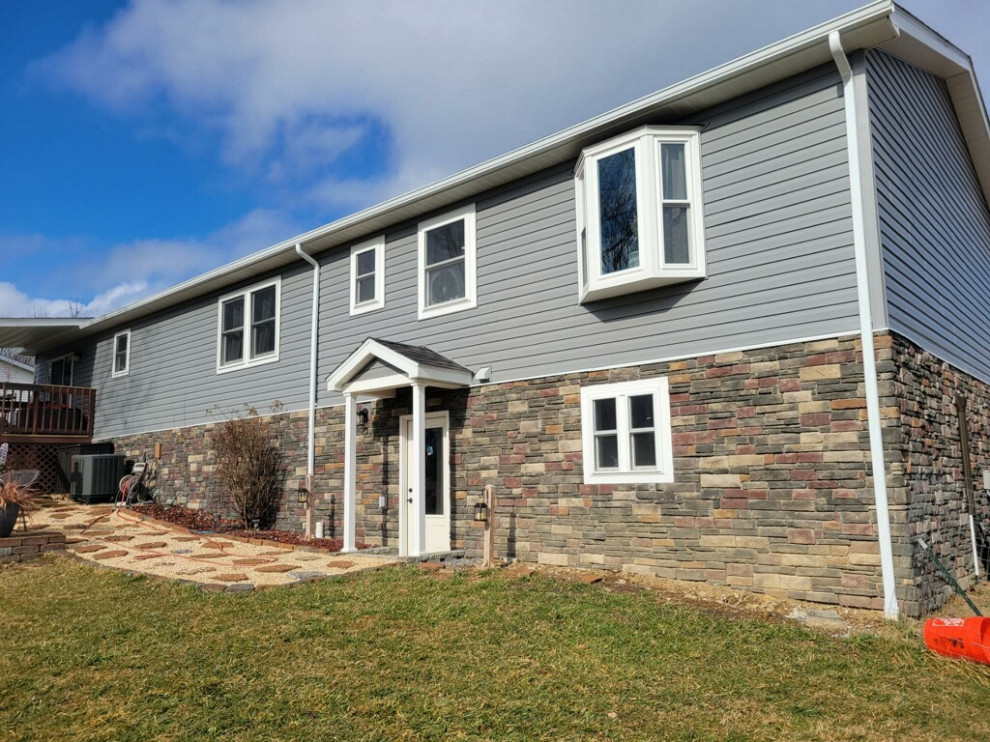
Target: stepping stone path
x=306 y=575
x=214 y=561
x=233 y=577
x=277 y=568
x=89 y=549
x=110 y=554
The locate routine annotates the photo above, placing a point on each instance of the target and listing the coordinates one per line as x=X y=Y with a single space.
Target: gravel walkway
x=120 y=539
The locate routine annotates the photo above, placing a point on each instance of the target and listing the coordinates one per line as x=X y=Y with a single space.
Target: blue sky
x=145 y=142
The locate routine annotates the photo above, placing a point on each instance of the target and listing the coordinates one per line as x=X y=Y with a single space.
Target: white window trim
x=378 y=302
x=249 y=358
x=626 y=474
x=651 y=271
x=470 y=298
x=114 y=373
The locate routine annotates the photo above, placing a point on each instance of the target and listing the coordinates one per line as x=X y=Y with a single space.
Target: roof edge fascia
x=863 y=18
x=16 y=364
x=926 y=48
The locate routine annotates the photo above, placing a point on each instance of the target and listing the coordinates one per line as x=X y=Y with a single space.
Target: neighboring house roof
x=880 y=24
x=14 y=363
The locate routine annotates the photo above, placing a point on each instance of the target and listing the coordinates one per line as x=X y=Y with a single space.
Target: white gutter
x=313 y=342
x=856 y=194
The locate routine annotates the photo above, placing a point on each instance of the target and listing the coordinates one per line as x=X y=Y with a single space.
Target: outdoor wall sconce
x=303 y=495
x=362 y=419
x=481 y=511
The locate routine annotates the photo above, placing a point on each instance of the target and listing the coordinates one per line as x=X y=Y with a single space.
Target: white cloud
x=291 y=85
x=129 y=272
x=15 y=303
x=342 y=104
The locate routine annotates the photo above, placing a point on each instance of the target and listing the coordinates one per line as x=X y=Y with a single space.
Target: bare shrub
x=250 y=468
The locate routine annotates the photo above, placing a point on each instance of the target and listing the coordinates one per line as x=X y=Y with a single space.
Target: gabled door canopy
x=378 y=367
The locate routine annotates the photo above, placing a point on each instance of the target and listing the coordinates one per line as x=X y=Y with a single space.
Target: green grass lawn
x=90 y=654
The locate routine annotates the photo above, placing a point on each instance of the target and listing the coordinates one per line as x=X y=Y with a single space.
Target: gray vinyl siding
x=173 y=380
x=780 y=268
x=933 y=218
x=778 y=242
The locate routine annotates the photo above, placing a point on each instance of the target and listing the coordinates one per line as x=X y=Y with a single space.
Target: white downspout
x=891 y=608
x=313 y=342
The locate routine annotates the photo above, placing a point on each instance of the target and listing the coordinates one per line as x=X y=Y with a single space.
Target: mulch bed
x=201 y=520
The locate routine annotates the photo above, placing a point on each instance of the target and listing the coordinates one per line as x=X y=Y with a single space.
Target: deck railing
x=46 y=411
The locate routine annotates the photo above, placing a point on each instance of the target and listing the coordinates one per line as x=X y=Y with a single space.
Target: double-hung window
x=248 y=327
x=368 y=276
x=639 y=216
x=121 y=354
x=626 y=432
x=447 y=263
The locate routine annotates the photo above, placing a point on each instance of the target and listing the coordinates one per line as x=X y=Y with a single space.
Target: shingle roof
x=422 y=354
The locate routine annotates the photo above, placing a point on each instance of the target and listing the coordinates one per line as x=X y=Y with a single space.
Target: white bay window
x=640 y=222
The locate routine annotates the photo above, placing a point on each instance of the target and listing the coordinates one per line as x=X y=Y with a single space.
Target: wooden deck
x=46 y=413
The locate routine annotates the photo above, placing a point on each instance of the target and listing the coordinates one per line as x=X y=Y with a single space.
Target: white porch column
x=350 y=470
x=417 y=505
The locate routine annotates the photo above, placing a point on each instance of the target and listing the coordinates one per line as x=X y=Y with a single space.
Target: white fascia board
x=864 y=27
x=367 y=352
x=371 y=350
x=17 y=364
x=34 y=333
x=447 y=378
x=919 y=45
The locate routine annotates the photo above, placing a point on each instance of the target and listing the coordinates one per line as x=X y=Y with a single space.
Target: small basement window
x=626 y=433
x=447 y=263
x=639 y=212
x=248 y=327
x=121 y=353
x=368 y=276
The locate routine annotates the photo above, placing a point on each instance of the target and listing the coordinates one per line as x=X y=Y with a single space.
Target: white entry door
x=436 y=496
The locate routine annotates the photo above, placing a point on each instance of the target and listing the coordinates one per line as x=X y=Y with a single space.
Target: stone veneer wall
x=926 y=463
x=186 y=472
x=771 y=460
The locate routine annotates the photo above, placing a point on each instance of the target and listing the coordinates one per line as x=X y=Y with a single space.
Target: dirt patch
x=721 y=600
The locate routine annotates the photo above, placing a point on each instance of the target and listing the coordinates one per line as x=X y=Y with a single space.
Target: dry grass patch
x=88 y=654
